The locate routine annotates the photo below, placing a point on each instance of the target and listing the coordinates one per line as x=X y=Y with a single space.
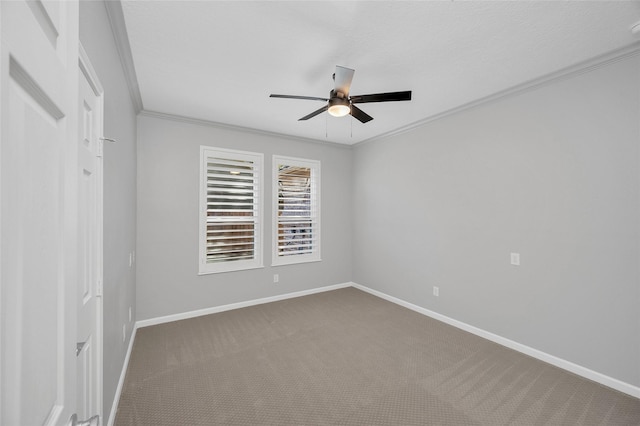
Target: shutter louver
x=297 y=215
x=231 y=208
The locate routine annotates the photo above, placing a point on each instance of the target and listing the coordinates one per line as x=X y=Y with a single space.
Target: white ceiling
x=220 y=60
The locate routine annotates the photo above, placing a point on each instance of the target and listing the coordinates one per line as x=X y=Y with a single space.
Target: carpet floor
x=346 y=357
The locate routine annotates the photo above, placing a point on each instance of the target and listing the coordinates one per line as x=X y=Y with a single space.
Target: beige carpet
x=347 y=358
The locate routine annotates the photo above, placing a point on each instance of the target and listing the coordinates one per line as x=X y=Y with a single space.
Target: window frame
x=207 y=152
x=314 y=166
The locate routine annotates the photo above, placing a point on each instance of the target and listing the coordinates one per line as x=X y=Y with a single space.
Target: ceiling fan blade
x=309 y=98
x=314 y=113
x=360 y=114
x=343 y=77
x=382 y=97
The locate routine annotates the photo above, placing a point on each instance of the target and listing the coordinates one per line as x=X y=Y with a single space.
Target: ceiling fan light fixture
x=339 y=107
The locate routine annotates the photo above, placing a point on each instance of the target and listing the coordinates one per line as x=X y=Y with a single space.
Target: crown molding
x=565 y=73
x=119 y=30
x=207 y=123
x=118 y=27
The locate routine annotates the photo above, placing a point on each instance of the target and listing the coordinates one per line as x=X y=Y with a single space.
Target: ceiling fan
x=340 y=103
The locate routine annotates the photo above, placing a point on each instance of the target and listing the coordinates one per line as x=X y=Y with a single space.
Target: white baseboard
x=216 y=309
x=542 y=356
x=123 y=373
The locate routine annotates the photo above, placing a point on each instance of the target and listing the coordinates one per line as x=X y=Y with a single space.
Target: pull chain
x=351 y=120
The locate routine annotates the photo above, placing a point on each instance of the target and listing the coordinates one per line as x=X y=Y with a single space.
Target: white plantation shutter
x=296 y=229
x=231 y=206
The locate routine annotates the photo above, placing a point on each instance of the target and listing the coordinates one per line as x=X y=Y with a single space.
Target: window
x=296 y=224
x=230 y=210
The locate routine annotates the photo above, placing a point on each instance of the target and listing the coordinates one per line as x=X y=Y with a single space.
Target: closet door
x=38 y=211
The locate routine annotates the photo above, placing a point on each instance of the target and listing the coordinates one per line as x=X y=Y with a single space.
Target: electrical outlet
x=515 y=259
x=130 y=259
x=276 y=278
x=436 y=291
x=129 y=313
x=124 y=333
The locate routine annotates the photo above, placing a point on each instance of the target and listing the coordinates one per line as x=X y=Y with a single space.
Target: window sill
x=230 y=269
x=283 y=262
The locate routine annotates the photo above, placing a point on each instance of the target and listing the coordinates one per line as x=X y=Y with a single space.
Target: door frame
x=92 y=78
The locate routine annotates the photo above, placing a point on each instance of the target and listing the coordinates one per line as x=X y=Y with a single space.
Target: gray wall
x=119 y=192
x=168 y=184
x=551 y=173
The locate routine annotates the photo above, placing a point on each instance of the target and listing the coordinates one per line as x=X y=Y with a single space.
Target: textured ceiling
x=220 y=60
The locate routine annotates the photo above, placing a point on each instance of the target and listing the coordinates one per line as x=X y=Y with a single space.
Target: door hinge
x=100 y=148
x=79 y=347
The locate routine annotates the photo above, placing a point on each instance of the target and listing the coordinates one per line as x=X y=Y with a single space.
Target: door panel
x=33 y=278
x=89 y=242
x=86 y=380
x=38 y=83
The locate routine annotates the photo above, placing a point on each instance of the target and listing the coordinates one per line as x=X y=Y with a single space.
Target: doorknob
x=93 y=421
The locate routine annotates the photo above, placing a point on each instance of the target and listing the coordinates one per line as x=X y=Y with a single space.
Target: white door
x=89 y=290
x=38 y=211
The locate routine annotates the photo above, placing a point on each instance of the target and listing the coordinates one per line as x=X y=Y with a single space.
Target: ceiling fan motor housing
x=337 y=94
